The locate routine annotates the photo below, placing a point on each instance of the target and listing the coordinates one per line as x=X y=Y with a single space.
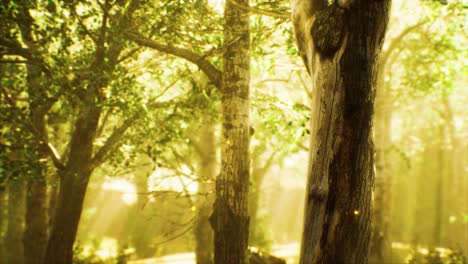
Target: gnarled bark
x=337 y=226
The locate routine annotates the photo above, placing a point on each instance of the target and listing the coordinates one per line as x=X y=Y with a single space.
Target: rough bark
x=15 y=230
x=207 y=173
x=230 y=218
x=337 y=226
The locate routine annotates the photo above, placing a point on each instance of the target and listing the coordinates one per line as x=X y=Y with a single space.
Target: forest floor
x=289 y=252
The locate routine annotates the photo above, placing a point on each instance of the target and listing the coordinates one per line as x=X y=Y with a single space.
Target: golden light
x=127 y=189
x=108 y=248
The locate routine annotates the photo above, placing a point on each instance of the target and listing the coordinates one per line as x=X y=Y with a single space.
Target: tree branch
x=205 y=65
x=15 y=61
x=55 y=156
x=118 y=133
x=50 y=148
x=264 y=12
x=397 y=41
x=82 y=25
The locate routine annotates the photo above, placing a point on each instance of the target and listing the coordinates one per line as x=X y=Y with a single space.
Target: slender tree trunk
x=75 y=178
x=258 y=174
x=54 y=179
x=54 y=184
x=3 y=222
x=15 y=231
x=254 y=198
x=340 y=45
x=439 y=195
x=454 y=235
x=381 y=243
x=140 y=238
x=35 y=236
x=207 y=173
x=230 y=218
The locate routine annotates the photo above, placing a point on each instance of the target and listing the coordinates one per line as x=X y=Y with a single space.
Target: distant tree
x=409 y=68
x=340 y=44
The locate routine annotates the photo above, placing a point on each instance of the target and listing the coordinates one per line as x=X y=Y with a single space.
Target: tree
x=83 y=87
x=340 y=44
x=427 y=68
x=16 y=210
x=230 y=219
x=206 y=150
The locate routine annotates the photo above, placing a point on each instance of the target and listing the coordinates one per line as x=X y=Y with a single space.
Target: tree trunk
x=381 y=243
x=74 y=181
x=340 y=46
x=230 y=218
x=207 y=173
x=439 y=225
x=15 y=231
x=260 y=168
x=35 y=235
x=54 y=183
x=54 y=179
x=140 y=239
x=3 y=222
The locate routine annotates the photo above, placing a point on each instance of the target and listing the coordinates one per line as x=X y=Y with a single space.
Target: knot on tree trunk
x=328 y=30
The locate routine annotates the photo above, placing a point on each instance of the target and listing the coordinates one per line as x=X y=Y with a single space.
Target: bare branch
x=54 y=155
x=128 y=55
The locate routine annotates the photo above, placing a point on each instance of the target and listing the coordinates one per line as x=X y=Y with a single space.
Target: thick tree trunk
x=207 y=173
x=35 y=235
x=230 y=218
x=342 y=60
x=15 y=230
x=73 y=186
